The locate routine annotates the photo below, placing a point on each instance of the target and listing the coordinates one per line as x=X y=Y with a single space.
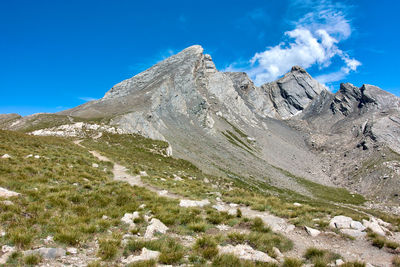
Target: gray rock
x=340 y=222
x=312 y=232
x=47 y=253
x=155 y=226
x=353 y=232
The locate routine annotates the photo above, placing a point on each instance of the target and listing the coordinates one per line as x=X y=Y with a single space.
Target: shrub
x=378 y=241
x=320 y=257
x=108 y=249
x=207 y=247
x=396 y=261
x=198 y=227
x=149 y=263
x=226 y=260
x=32 y=259
x=292 y=262
x=258 y=226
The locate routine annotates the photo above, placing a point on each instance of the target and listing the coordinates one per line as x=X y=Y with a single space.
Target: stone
x=223 y=227
x=279 y=256
x=353 y=233
x=6 y=156
x=168 y=151
x=72 y=251
x=7 y=202
x=155 y=226
x=312 y=232
x=47 y=253
x=143 y=173
x=340 y=222
x=163 y=193
x=245 y=252
x=7 y=251
x=374 y=227
x=49 y=239
x=129 y=219
x=145 y=255
x=193 y=203
x=29 y=156
x=177 y=178
x=95 y=165
x=297 y=204
x=37 y=157
x=357 y=226
x=5 y=193
x=339 y=262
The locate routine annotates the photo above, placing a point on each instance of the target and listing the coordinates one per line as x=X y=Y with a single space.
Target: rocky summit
x=194 y=153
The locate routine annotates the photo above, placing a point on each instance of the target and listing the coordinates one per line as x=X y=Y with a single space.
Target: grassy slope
x=129 y=151
x=62 y=195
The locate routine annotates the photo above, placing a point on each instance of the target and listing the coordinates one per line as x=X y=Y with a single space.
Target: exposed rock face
x=292 y=93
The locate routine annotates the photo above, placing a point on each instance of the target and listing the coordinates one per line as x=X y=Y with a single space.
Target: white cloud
x=87 y=99
x=314 y=41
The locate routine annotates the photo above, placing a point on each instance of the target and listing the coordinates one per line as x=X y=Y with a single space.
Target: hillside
x=185 y=165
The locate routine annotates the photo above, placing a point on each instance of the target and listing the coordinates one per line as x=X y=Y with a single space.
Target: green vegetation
x=396 y=261
x=381 y=241
x=32 y=259
x=64 y=196
x=320 y=257
x=142 y=154
x=206 y=247
x=108 y=248
x=171 y=251
x=149 y=263
x=292 y=262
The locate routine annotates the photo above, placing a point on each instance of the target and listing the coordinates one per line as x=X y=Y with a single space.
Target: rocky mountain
x=278 y=132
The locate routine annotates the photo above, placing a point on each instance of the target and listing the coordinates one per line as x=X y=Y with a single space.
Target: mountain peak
x=297 y=68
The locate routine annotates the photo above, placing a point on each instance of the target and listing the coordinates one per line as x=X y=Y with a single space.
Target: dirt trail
x=121 y=174
x=351 y=250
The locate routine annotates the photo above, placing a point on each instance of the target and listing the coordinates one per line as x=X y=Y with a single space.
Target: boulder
x=340 y=222
x=47 y=253
x=279 y=256
x=245 y=252
x=5 y=193
x=72 y=251
x=145 y=255
x=312 y=232
x=129 y=218
x=353 y=233
x=374 y=227
x=357 y=226
x=339 y=262
x=194 y=203
x=155 y=226
x=7 y=250
x=143 y=173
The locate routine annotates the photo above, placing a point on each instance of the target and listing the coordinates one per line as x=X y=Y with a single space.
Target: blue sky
x=56 y=55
